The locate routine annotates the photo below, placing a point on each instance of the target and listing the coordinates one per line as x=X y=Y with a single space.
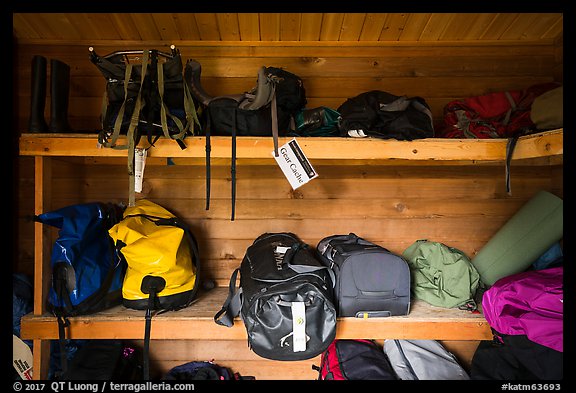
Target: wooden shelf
x=196 y=322
x=428 y=151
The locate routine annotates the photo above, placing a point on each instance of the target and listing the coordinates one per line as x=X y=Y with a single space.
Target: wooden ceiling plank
x=103 y=25
x=228 y=26
x=22 y=28
x=146 y=27
x=290 y=26
x=57 y=28
x=310 y=26
x=436 y=26
x=518 y=29
x=331 y=26
x=393 y=27
x=540 y=26
x=373 y=24
x=42 y=25
x=481 y=22
x=269 y=26
x=415 y=24
x=459 y=26
x=208 y=26
x=166 y=27
x=186 y=25
x=61 y=25
x=498 y=26
x=352 y=26
x=249 y=25
x=555 y=31
x=125 y=26
x=84 y=28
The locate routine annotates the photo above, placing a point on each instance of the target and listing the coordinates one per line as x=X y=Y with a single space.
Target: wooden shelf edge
x=196 y=323
x=545 y=144
x=205 y=329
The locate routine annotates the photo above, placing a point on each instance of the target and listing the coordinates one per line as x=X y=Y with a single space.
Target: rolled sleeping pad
x=525 y=237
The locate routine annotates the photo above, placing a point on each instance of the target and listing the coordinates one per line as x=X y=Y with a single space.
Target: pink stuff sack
x=528 y=303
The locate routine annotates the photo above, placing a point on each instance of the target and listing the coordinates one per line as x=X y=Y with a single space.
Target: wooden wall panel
x=461 y=206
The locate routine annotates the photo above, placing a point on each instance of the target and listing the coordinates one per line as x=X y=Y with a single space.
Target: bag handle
x=232 y=305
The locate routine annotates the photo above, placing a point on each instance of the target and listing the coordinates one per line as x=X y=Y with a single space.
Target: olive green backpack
x=442 y=276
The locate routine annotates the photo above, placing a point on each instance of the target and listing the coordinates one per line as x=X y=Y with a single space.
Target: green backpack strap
x=131 y=134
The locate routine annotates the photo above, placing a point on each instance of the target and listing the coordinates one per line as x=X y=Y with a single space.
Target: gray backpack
x=423 y=360
x=370 y=280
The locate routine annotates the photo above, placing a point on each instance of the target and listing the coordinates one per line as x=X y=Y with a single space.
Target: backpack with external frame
x=269 y=108
x=145 y=96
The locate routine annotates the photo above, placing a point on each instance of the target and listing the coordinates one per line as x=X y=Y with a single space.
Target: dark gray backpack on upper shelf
x=370 y=280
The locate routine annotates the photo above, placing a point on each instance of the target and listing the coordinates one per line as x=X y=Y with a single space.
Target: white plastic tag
x=281 y=250
x=294 y=164
x=139 y=164
x=299 y=326
x=22 y=358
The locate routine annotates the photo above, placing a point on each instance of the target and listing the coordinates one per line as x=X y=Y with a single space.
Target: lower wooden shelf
x=196 y=323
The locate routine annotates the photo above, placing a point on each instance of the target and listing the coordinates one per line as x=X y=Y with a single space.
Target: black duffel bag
x=370 y=280
x=285 y=299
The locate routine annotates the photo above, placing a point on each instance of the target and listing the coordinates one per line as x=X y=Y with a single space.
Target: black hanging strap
x=511 y=144
x=63 y=323
x=208 y=149
x=233 y=171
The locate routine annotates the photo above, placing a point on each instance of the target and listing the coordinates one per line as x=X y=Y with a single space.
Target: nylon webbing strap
x=164 y=111
x=131 y=134
x=63 y=323
x=233 y=170
x=512 y=108
x=208 y=149
x=510 y=145
x=232 y=305
x=274 y=120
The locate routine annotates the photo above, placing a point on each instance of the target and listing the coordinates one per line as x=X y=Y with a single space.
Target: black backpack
x=152 y=87
x=383 y=115
x=267 y=109
x=285 y=299
x=354 y=360
x=515 y=358
x=202 y=370
x=105 y=360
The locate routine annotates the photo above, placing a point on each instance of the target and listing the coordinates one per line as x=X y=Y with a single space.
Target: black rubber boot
x=59 y=91
x=37 y=122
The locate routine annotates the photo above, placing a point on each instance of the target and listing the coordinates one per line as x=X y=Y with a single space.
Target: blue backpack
x=87 y=275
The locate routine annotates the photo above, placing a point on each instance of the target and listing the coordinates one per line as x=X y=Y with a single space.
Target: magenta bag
x=528 y=303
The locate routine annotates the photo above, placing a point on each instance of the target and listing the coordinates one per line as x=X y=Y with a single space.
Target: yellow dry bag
x=162 y=258
x=163 y=263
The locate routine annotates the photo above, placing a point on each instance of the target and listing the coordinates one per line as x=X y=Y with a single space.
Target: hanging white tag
x=139 y=164
x=299 y=326
x=294 y=164
x=22 y=358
